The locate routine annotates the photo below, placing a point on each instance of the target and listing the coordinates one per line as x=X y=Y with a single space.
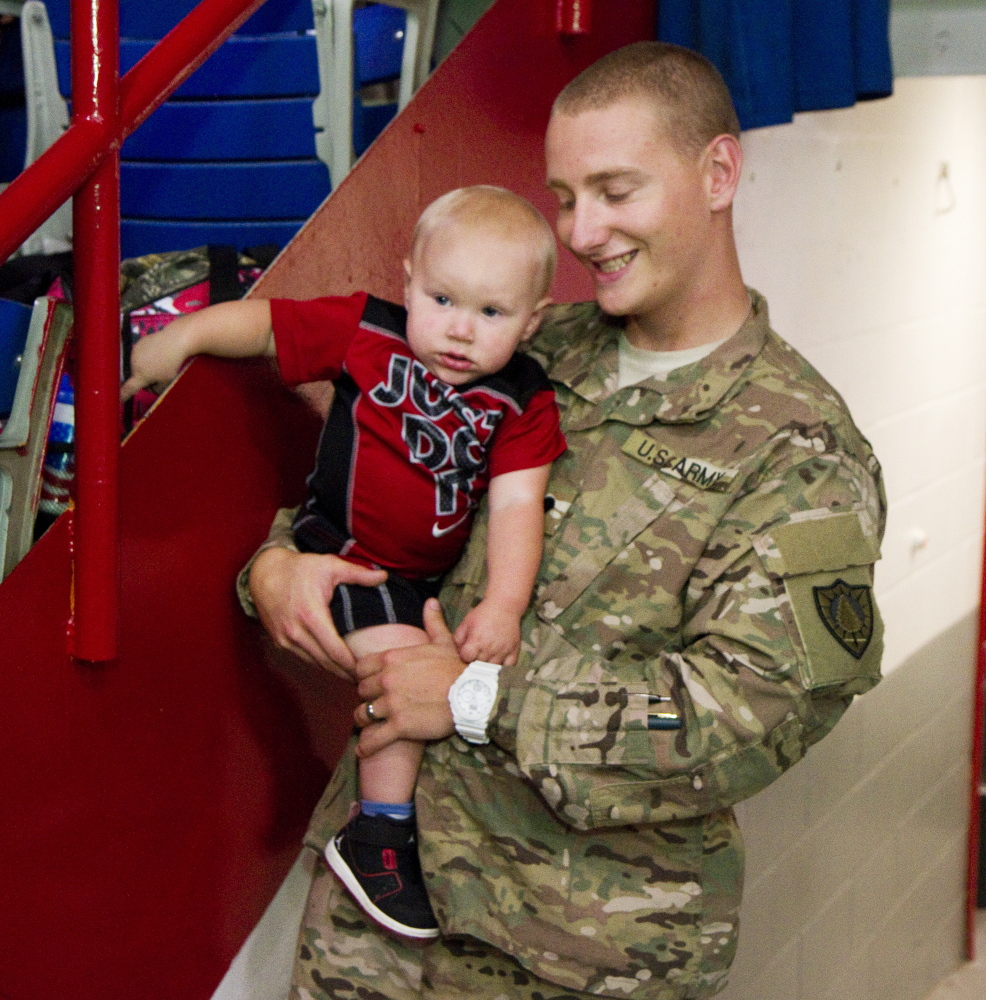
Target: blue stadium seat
x=233 y=152
x=230 y=157
x=379 y=32
x=13 y=140
x=144 y=19
x=13 y=113
x=336 y=27
x=263 y=189
x=377 y=55
x=263 y=129
x=280 y=65
x=15 y=318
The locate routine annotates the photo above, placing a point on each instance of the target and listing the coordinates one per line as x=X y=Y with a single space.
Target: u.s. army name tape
x=696 y=471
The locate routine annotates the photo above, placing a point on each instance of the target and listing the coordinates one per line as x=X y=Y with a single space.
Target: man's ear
x=536 y=316
x=724 y=167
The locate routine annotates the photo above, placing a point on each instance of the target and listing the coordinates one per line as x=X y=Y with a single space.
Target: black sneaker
x=377 y=859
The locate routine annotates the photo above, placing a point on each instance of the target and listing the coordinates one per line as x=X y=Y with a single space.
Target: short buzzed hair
x=501 y=213
x=684 y=86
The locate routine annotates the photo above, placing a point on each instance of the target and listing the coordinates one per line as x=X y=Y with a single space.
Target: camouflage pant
x=345 y=956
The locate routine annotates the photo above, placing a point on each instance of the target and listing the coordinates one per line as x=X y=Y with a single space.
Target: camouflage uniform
x=711 y=543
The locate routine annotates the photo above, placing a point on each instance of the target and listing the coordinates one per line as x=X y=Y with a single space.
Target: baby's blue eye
x=442 y=300
x=491 y=311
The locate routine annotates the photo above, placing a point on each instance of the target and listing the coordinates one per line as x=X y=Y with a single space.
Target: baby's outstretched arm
x=491 y=631
x=227 y=330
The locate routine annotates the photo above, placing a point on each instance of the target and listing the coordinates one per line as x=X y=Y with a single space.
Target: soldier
x=703 y=613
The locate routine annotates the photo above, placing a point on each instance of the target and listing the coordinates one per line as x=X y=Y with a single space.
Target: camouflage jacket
x=708 y=556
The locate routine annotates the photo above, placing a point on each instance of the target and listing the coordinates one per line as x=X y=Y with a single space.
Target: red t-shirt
x=404 y=458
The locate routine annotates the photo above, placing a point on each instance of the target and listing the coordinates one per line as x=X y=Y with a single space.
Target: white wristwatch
x=472 y=698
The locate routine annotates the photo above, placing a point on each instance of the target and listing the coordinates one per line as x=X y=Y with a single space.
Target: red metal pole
x=34 y=194
x=96 y=224
x=573 y=17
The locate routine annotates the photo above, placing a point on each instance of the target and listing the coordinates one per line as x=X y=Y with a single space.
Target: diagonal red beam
x=36 y=192
x=53 y=178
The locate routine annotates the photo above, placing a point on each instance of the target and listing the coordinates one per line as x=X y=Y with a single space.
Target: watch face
x=474 y=699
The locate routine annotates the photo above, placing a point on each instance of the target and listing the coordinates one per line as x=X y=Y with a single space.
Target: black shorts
x=397 y=601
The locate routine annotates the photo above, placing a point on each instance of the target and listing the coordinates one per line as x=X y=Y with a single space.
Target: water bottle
x=59 y=465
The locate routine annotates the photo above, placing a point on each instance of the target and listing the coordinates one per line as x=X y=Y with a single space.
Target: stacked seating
x=15 y=318
x=13 y=113
x=336 y=25
x=379 y=34
x=231 y=157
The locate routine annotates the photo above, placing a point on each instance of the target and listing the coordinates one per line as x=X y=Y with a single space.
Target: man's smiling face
x=632 y=208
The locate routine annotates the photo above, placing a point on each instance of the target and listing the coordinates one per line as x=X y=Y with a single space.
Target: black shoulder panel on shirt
x=388 y=315
x=520 y=379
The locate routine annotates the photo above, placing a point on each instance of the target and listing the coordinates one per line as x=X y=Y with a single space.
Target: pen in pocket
x=661 y=720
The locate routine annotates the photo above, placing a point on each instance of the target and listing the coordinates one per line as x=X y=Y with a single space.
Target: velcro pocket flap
x=817 y=541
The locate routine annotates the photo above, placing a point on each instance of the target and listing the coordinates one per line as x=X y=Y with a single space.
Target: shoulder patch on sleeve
x=847 y=612
x=825 y=563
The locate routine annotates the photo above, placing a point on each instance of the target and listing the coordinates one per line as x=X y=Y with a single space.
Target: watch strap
x=472 y=730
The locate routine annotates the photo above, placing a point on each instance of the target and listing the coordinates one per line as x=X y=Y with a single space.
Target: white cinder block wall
x=866 y=230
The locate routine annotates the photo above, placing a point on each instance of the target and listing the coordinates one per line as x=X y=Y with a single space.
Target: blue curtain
x=783 y=56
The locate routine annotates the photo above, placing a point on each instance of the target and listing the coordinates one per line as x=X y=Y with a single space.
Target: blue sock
x=395 y=810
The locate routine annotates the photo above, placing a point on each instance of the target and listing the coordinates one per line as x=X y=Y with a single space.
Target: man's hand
x=292 y=590
x=409 y=688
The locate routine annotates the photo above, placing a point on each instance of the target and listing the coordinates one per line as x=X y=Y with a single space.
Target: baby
x=432 y=408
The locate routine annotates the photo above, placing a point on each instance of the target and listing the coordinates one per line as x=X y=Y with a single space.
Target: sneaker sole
x=338 y=865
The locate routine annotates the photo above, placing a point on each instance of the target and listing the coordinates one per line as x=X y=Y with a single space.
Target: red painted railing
x=85 y=162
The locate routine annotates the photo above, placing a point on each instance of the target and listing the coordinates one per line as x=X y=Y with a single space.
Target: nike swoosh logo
x=437 y=532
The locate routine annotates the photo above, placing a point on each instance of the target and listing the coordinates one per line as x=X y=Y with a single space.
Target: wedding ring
x=369 y=711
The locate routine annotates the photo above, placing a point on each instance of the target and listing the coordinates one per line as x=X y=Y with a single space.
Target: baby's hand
x=489 y=632
x=156 y=360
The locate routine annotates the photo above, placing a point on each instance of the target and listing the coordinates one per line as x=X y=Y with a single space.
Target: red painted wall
x=149 y=808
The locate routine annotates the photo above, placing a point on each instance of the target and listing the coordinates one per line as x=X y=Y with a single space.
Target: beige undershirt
x=637 y=364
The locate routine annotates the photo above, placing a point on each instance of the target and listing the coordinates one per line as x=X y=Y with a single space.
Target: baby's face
x=471 y=299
